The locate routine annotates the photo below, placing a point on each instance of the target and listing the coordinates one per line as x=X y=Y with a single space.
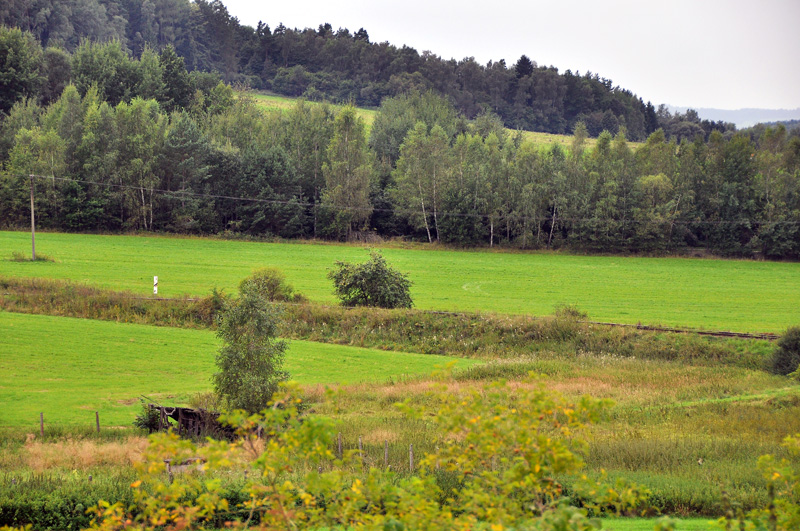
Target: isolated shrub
x=786 y=358
x=251 y=358
x=372 y=283
x=270 y=283
x=570 y=311
x=147 y=419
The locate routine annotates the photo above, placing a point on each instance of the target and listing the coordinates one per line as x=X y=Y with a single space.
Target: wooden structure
x=190 y=422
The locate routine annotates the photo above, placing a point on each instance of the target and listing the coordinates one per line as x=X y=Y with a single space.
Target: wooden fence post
x=411 y=457
x=97 y=420
x=340 y=445
x=41 y=424
x=386 y=453
x=361 y=451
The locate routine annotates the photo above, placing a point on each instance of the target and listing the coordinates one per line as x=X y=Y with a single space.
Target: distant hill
x=742 y=117
x=338 y=65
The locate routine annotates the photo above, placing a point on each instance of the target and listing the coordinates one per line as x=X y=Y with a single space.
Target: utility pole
x=33 y=226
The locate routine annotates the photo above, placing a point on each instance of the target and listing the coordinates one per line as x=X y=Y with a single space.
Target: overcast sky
x=726 y=54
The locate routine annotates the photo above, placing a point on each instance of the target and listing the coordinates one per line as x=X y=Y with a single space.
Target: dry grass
x=74 y=454
x=379 y=435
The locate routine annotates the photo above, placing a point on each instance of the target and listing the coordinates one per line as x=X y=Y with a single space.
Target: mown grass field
x=70 y=368
x=548 y=139
x=272 y=102
x=733 y=295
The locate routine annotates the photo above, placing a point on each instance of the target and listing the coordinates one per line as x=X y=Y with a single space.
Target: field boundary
x=766 y=336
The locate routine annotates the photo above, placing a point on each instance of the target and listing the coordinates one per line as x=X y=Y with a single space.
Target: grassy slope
x=273 y=102
x=276 y=102
x=712 y=294
x=69 y=368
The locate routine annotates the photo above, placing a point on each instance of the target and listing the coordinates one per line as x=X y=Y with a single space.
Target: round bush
x=271 y=284
x=786 y=358
x=373 y=283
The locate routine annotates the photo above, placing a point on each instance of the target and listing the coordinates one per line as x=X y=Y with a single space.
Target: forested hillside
x=345 y=66
x=120 y=138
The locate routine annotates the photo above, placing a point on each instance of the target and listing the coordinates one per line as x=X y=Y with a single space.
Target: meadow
x=736 y=295
x=690 y=434
x=690 y=415
x=274 y=102
x=687 y=432
x=69 y=368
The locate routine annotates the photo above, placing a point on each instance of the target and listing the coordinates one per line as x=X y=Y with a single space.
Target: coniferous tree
x=524 y=66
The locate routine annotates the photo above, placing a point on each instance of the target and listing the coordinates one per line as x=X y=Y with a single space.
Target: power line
x=182 y=194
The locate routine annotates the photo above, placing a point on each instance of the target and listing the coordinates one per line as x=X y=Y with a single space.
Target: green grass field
x=271 y=102
x=700 y=293
x=69 y=368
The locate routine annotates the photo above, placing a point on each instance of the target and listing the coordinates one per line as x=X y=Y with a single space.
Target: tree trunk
x=435 y=209
x=424 y=213
x=525 y=233
x=552 y=226
x=144 y=208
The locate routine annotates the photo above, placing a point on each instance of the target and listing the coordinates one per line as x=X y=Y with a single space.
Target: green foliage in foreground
x=69 y=368
x=48 y=501
x=498 y=456
x=711 y=294
x=648 y=524
x=499 y=463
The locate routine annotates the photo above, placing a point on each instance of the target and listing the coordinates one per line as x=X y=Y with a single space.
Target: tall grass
x=690 y=454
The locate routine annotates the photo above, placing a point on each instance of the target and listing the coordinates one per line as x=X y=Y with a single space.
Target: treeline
x=220 y=164
x=344 y=66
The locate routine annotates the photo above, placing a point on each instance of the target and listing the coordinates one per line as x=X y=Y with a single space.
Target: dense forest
x=119 y=141
x=344 y=66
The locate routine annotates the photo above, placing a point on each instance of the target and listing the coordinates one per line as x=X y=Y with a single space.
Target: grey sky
x=727 y=54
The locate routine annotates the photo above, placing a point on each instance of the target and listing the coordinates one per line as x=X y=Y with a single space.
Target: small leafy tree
x=373 y=283
x=786 y=358
x=250 y=361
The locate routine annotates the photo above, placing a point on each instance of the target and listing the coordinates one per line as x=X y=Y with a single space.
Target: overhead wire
x=474 y=215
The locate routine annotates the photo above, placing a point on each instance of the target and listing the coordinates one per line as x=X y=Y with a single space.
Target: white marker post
x=155 y=285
